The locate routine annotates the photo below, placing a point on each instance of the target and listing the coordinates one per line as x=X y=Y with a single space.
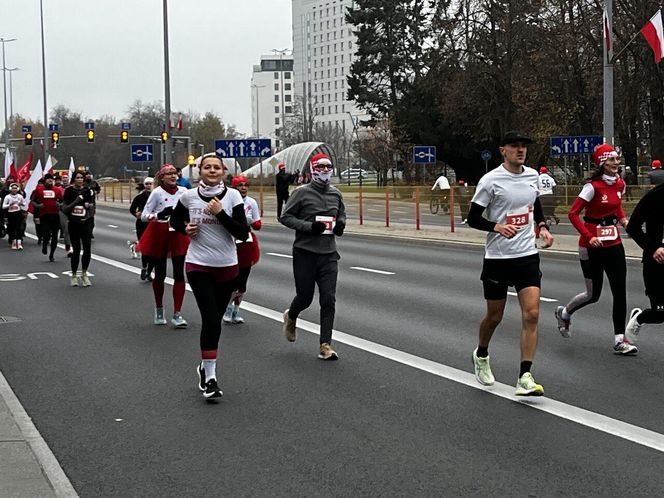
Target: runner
x=545 y=185
x=159 y=241
x=15 y=208
x=509 y=195
x=136 y=209
x=649 y=210
x=248 y=253
x=600 y=247
x=212 y=215
x=317 y=213
x=78 y=205
x=47 y=198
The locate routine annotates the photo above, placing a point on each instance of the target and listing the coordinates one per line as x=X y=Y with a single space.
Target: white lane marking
x=597 y=421
x=279 y=255
x=112 y=226
x=543 y=299
x=371 y=270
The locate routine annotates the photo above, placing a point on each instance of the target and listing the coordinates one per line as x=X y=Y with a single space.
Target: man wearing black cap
x=506 y=205
x=281 y=182
x=47 y=198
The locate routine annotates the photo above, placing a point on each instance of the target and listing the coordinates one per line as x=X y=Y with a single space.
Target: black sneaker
x=44 y=250
x=144 y=273
x=201 y=377
x=212 y=390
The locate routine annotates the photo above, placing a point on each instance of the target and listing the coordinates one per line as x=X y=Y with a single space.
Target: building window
x=276 y=109
x=276 y=121
x=288 y=109
x=336 y=110
x=329 y=109
x=287 y=98
x=276 y=98
x=276 y=87
x=335 y=71
x=287 y=75
x=287 y=86
x=276 y=76
x=350 y=45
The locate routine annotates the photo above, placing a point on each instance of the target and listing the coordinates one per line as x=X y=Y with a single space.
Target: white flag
x=37 y=173
x=72 y=168
x=49 y=165
x=8 y=162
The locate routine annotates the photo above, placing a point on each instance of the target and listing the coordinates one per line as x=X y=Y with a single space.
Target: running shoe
x=201 y=377
x=236 y=318
x=212 y=390
x=144 y=273
x=526 y=386
x=14 y=246
x=327 y=353
x=51 y=258
x=179 y=322
x=228 y=315
x=289 y=327
x=44 y=250
x=159 y=316
x=625 y=347
x=633 y=327
x=483 y=372
x=563 y=325
x=73 y=281
x=85 y=280
x=70 y=252
x=19 y=245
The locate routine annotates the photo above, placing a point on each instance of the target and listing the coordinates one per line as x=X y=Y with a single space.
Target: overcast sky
x=102 y=55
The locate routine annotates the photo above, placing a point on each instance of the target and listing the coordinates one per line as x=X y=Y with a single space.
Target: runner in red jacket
x=48 y=199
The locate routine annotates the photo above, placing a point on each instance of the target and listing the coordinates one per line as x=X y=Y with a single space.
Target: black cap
x=512 y=137
x=48 y=176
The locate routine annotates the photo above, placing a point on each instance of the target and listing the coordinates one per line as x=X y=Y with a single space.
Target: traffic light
x=55 y=138
x=124 y=136
x=164 y=136
x=91 y=136
x=190 y=159
x=27 y=137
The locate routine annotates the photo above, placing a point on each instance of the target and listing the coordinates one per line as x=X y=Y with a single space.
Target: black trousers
x=80 y=236
x=212 y=297
x=311 y=269
x=15 y=226
x=281 y=200
x=50 y=225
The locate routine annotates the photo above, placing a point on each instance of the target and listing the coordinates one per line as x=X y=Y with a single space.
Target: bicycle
x=434 y=204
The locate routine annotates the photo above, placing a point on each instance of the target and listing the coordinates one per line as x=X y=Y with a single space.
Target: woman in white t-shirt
x=213 y=217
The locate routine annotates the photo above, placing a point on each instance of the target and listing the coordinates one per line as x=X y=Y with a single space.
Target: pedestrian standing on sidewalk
x=136 y=209
x=317 y=213
x=159 y=242
x=248 y=252
x=282 y=180
x=508 y=195
x=213 y=216
x=78 y=205
x=649 y=211
x=600 y=247
x=14 y=207
x=47 y=198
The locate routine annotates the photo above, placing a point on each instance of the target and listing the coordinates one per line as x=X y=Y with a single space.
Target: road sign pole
x=608 y=77
x=486 y=166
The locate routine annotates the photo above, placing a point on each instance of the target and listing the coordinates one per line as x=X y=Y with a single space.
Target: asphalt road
x=116 y=400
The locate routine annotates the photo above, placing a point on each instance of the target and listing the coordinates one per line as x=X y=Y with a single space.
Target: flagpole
x=608 y=130
x=615 y=57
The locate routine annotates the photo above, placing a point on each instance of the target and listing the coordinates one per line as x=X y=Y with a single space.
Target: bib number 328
x=519 y=220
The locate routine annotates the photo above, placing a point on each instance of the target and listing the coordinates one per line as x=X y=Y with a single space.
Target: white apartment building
x=272 y=95
x=323 y=48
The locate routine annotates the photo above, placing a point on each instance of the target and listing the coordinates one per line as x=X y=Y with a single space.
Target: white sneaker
x=85 y=280
x=526 y=386
x=563 y=325
x=633 y=327
x=73 y=281
x=228 y=315
x=483 y=370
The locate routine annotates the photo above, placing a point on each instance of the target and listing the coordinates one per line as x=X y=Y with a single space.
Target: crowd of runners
x=209 y=235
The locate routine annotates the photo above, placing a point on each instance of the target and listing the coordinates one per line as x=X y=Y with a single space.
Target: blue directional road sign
x=125 y=126
x=574 y=145
x=89 y=125
x=26 y=129
x=486 y=155
x=249 y=147
x=141 y=153
x=424 y=154
x=53 y=127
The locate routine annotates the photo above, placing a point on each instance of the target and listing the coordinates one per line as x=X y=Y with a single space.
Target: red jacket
x=599 y=200
x=49 y=198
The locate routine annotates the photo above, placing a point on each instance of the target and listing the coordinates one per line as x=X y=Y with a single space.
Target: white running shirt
x=504 y=195
x=545 y=184
x=214 y=245
x=251 y=210
x=159 y=200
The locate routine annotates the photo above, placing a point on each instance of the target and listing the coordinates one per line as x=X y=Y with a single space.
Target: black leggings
x=15 y=226
x=50 y=225
x=594 y=263
x=146 y=262
x=80 y=235
x=160 y=268
x=212 y=298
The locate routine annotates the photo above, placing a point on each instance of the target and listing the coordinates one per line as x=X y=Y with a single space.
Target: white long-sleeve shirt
x=158 y=201
x=14 y=202
x=442 y=183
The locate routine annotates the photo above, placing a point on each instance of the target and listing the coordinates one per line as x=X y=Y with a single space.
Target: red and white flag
x=180 y=122
x=170 y=123
x=653 y=32
x=607 y=34
x=24 y=171
x=9 y=160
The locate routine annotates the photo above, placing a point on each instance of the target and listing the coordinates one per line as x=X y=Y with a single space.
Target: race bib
x=519 y=220
x=329 y=221
x=607 y=233
x=13 y=208
x=78 y=211
x=249 y=239
x=49 y=194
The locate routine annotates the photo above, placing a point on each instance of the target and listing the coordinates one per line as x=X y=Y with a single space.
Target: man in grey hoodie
x=317 y=214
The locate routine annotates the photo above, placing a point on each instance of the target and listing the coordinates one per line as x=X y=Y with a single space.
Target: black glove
x=339 y=228
x=318 y=227
x=163 y=215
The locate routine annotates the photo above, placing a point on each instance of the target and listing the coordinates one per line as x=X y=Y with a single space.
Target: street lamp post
x=41 y=16
x=167 y=81
x=4 y=87
x=258 y=127
x=11 y=96
x=281 y=87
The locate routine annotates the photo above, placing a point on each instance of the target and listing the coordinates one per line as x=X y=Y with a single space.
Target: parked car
x=107 y=179
x=354 y=174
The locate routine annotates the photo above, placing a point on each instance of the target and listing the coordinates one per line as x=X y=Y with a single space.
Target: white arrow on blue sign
x=26 y=128
x=141 y=153
x=249 y=147
x=574 y=145
x=424 y=154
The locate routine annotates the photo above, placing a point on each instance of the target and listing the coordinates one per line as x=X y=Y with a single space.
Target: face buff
x=318 y=174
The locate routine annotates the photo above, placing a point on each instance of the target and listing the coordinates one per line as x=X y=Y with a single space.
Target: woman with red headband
x=600 y=248
x=248 y=252
x=159 y=241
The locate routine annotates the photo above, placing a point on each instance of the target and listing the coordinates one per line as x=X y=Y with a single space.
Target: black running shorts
x=499 y=274
x=653 y=278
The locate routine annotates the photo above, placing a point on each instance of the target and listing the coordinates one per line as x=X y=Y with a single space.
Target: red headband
x=163 y=169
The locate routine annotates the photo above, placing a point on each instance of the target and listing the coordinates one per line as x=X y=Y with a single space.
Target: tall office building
x=272 y=95
x=323 y=48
